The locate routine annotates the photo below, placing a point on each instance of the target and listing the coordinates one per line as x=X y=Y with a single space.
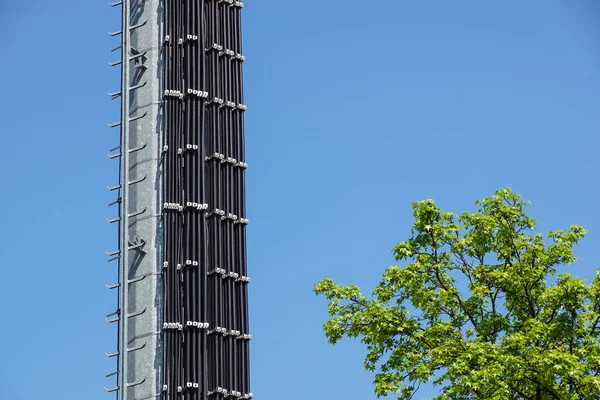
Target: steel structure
x=182 y=311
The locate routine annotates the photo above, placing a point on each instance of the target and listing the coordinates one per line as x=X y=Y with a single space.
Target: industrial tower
x=182 y=311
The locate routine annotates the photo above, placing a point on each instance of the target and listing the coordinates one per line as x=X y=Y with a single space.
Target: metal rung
x=112 y=374
x=116 y=48
x=137 y=148
x=113 y=188
x=114 y=125
x=115 y=33
x=114 y=259
x=112 y=321
x=115 y=63
x=138 y=117
x=117 y=155
x=113 y=253
x=138 y=279
x=112 y=221
x=132 y=384
x=135 y=214
x=138 y=86
x=137 y=56
x=112 y=389
x=137 y=181
x=111 y=287
x=111 y=355
x=132 y=349
x=117 y=201
x=118 y=3
x=136 y=314
x=132 y=27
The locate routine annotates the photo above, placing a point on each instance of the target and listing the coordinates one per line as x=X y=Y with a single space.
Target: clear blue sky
x=355 y=111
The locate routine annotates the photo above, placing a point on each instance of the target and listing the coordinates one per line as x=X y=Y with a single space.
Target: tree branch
x=454 y=293
x=523 y=395
x=542 y=387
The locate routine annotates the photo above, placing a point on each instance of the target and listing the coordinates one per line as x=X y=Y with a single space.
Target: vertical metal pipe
x=124 y=234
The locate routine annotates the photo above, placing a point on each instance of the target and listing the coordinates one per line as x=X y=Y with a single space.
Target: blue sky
x=355 y=111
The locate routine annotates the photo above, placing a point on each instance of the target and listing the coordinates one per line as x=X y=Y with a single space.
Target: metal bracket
x=243 y=279
x=138 y=247
x=136 y=56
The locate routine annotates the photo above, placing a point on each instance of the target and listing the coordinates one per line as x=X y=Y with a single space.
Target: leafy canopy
x=477 y=308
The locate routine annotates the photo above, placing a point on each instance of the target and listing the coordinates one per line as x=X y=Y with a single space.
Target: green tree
x=477 y=308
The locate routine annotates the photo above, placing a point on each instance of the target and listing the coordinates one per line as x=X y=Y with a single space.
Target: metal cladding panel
x=145 y=139
x=183 y=272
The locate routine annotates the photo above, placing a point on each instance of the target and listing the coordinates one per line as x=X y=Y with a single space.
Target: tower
x=182 y=311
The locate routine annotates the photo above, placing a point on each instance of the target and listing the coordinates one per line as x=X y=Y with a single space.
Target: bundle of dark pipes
x=205 y=329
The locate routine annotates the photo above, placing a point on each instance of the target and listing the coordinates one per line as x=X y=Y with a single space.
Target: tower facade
x=182 y=311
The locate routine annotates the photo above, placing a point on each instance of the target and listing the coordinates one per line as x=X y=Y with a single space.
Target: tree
x=477 y=308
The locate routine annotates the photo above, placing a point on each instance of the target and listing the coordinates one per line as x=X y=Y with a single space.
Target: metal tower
x=182 y=311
